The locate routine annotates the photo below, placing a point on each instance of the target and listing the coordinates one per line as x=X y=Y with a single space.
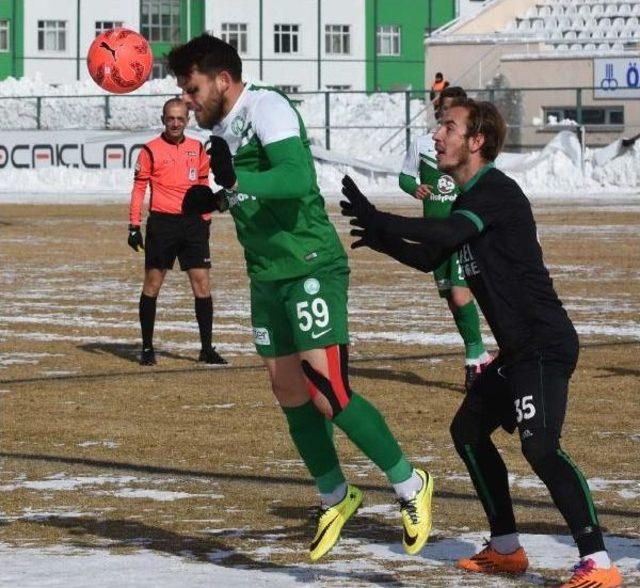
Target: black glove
x=221 y=163
x=202 y=199
x=135 y=238
x=374 y=239
x=357 y=206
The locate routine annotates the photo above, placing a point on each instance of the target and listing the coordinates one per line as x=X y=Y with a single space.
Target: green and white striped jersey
x=279 y=213
x=420 y=162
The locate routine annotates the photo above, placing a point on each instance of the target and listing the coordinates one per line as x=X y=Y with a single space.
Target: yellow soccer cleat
x=416 y=515
x=331 y=521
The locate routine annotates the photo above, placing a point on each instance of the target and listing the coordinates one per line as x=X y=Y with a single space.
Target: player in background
x=172 y=165
x=299 y=280
x=438 y=192
x=526 y=386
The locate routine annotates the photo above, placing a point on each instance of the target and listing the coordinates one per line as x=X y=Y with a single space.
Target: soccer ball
x=119 y=60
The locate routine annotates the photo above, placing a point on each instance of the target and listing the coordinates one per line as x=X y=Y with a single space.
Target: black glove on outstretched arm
x=200 y=199
x=221 y=163
x=357 y=205
x=135 y=238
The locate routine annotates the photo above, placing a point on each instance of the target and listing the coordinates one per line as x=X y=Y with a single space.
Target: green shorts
x=447 y=275
x=308 y=312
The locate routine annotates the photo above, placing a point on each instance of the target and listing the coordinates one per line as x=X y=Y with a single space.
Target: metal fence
x=337 y=119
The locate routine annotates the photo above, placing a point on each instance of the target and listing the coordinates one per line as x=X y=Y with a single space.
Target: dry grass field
x=99 y=452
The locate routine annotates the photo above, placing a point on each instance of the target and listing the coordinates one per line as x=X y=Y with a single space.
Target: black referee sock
x=204 y=315
x=147 y=311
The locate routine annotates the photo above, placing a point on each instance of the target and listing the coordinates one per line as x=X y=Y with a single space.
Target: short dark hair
x=207 y=54
x=484 y=118
x=453 y=92
x=439 y=75
x=171 y=102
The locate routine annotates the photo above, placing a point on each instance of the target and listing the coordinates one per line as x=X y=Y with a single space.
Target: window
x=285 y=38
x=388 y=40
x=338 y=87
x=288 y=89
x=160 y=20
x=105 y=25
x=235 y=34
x=4 y=35
x=591 y=115
x=337 y=39
x=52 y=35
x=159 y=70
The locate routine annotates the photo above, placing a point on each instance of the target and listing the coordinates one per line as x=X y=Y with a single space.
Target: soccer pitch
x=115 y=474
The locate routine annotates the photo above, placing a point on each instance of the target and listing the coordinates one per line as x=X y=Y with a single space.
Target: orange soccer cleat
x=587 y=574
x=489 y=561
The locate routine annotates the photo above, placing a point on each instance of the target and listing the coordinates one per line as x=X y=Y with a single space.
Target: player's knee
x=540 y=450
x=459 y=298
x=332 y=395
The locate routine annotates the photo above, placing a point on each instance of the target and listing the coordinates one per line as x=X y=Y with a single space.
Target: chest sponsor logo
x=191 y=154
x=468 y=262
x=261 y=336
x=311 y=286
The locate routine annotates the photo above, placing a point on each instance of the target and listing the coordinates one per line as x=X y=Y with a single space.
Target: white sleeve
x=274 y=119
x=411 y=163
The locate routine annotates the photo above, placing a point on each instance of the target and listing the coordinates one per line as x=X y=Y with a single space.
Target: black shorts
x=172 y=235
x=529 y=394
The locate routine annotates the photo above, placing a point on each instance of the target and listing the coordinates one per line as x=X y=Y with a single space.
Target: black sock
x=204 y=314
x=147 y=311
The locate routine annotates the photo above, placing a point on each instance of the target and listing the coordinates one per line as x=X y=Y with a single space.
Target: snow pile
x=558 y=169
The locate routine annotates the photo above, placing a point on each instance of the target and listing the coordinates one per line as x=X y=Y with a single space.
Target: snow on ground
x=555 y=171
x=70 y=567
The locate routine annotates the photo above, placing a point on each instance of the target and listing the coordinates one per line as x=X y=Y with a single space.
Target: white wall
x=300 y=69
x=61 y=67
x=468 y=8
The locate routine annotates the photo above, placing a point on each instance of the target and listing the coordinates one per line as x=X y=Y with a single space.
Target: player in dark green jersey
x=438 y=192
x=299 y=279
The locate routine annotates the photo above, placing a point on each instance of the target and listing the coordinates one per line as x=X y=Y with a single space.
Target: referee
x=493 y=230
x=172 y=165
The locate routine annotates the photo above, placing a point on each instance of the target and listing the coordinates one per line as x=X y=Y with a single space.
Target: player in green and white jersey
x=438 y=192
x=299 y=280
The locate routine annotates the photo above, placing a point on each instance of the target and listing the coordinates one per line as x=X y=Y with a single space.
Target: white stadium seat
x=575 y=47
x=562 y=47
x=570 y=35
x=617 y=46
x=589 y=46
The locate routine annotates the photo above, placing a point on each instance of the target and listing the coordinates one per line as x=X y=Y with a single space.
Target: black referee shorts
x=529 y=394
x=172 y=235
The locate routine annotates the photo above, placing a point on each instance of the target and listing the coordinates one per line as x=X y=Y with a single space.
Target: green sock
x=468 y=323
x=367 y=429
x=312 y=435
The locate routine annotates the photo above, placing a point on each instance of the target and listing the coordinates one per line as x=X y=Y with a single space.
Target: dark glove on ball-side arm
x=200 y=199
x=135 y=238
x=221 y=163
x=357 y=205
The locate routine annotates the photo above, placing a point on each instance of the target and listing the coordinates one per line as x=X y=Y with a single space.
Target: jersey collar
x=474 y=180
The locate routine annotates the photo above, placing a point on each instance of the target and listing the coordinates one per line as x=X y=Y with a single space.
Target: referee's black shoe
x=211 y=356
x=148 y=356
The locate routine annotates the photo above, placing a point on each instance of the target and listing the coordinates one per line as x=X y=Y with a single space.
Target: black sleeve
x=434 y=233
x=420 y=257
